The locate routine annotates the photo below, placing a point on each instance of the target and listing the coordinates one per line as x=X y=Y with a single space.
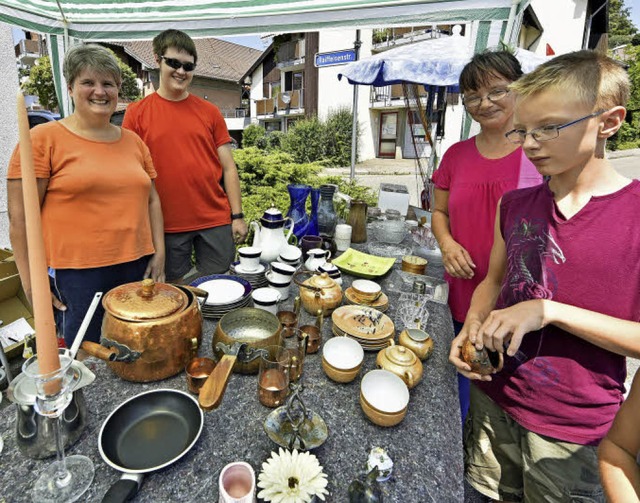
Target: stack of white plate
x=226 y=293
x=370 y=327
x=256 y=278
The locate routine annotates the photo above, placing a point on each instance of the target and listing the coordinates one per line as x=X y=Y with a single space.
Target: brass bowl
x=257 y=327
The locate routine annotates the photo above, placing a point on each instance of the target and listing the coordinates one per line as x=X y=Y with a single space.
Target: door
x=388 y=134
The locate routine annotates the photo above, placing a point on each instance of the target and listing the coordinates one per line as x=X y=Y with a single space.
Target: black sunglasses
x=176 y=64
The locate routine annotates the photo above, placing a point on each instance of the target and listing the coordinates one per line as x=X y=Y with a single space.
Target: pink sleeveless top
x=475 y=185
x=559 y=385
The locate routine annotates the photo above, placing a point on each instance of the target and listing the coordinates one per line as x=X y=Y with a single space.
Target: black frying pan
x=146 y=433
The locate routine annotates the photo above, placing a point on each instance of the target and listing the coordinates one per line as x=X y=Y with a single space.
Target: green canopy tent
x=110 y=20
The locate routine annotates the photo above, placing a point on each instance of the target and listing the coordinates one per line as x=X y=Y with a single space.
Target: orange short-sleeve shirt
x=183 y=137
x=96 y=209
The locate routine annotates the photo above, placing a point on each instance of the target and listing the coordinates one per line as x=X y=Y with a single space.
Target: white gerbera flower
x=292 y=477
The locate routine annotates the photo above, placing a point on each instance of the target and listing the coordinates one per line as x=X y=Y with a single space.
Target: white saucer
x=238 y=268
x=222 y=291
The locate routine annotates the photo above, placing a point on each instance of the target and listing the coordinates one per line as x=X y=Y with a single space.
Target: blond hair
x=595 y=79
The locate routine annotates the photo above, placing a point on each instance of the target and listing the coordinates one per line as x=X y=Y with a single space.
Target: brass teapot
x=319 y=292
x=401 y=361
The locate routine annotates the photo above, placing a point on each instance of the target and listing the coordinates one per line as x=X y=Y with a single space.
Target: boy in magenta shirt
x=561 y=298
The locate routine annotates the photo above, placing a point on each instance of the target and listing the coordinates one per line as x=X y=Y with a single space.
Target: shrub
x=338 y=132
x=252 y=134
x=274 y=140
x=305 y=141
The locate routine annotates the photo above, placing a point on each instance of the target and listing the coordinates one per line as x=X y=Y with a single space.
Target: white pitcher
x=269 y=234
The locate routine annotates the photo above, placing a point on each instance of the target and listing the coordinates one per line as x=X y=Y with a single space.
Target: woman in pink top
x=472 y=177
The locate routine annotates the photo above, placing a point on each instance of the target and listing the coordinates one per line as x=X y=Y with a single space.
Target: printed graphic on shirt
x=528 y=246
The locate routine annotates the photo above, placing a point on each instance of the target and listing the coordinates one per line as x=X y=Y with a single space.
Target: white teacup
x=281 y=272
x=249 y=257
x=282 y=287
x=237 y=483
x=290 y=255
x=266 y=299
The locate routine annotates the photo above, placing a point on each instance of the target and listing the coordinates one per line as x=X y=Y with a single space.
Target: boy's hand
x=456 y=349
x=509 y=326
x=457 y=261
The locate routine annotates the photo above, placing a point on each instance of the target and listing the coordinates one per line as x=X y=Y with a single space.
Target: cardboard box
x=393 y=196
x=14 y=305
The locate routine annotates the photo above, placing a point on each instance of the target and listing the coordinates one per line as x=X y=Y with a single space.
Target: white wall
x=256 y=91
x=563 y=23
x=9 y=122
x=334 y=93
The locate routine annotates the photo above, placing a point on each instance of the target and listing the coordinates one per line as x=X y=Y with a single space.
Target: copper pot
x=149 y=330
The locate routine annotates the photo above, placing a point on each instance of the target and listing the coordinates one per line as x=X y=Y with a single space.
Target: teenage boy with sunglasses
x=191 y=150
x=561 y=300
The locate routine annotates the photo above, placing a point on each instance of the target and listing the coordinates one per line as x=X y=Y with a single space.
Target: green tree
x=40 y=83
x=129 y=89
x=621 y=28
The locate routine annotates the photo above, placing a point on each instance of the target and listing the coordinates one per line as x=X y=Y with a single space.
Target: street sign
x=335 y=58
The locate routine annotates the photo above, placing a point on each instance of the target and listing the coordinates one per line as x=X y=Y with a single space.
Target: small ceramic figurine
x=483 y=362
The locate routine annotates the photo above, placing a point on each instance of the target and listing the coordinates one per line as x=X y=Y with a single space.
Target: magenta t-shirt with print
x=475 y=185
x=558 y=384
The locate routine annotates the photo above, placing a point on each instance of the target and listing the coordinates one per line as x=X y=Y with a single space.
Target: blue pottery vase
x=312 y=230
x=298 y=194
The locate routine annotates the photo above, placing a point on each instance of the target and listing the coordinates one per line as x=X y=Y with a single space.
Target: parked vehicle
x=41 y=116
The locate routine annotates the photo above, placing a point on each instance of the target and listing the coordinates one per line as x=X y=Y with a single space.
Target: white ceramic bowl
x=343 y=353
x=384 y=391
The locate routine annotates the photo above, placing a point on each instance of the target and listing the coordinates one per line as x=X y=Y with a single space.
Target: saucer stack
x=256 y=278
x=226 y=293
x=369 y=327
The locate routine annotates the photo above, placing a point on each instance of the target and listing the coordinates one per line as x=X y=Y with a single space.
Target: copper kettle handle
x=302 y=285
x=198 y=292
x=99 y=351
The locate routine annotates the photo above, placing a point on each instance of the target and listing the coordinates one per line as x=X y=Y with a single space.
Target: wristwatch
x=237 y=216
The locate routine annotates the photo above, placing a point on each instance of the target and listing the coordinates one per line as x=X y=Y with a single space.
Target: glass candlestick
x=67 y=478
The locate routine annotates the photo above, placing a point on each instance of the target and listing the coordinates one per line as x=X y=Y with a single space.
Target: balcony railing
x=291 y=53
x=235 y=113
x=391 y=95
x=27 y=47
x=285 y=103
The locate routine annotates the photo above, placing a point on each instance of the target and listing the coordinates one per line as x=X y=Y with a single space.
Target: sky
x=634 y=5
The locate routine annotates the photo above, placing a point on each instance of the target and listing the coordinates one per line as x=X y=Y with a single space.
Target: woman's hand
x=155 y=268
x=57 y=303
x=455 y=353
x=239 y=230
x=509 y=326
x=457 y=261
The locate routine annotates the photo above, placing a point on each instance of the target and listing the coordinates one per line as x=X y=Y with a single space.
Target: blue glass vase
x=312 y=230
x=298 y=194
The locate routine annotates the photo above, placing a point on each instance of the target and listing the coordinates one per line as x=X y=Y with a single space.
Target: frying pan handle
x=124 y=489
x=214 y=387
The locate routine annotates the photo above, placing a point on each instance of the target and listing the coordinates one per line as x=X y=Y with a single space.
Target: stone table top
x=426 y=447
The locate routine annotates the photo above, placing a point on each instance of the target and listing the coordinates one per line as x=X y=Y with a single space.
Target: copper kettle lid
x=144 y=300
x=322 y=281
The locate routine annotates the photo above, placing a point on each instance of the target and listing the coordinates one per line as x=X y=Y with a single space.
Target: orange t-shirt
x=96 y=209
x=183 y=137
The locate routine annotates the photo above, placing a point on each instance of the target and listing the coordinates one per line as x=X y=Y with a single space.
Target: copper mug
x=314 y=334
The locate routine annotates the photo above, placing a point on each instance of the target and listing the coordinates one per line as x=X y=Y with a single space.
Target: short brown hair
x=176 y=39
x=486 y=66
x=597 y=80
x=80 y=57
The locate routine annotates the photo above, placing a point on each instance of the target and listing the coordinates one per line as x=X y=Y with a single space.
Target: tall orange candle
x=46 y=340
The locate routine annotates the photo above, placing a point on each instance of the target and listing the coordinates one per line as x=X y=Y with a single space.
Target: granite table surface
x=426 y=447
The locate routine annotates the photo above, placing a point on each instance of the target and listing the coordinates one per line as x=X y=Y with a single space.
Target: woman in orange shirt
x=101 y=215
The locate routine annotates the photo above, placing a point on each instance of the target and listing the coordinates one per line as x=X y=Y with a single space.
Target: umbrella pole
x=354 y=127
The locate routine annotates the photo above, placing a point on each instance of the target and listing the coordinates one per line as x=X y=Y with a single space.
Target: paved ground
x=403 y=171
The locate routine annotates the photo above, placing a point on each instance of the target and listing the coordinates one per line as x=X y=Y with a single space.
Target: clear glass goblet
x=67 y=478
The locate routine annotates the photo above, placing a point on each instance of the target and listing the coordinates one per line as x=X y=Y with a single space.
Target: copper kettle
x=149 y=330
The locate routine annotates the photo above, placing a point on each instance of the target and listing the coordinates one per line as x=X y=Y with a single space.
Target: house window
x=274 y=89
x=293 y=80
